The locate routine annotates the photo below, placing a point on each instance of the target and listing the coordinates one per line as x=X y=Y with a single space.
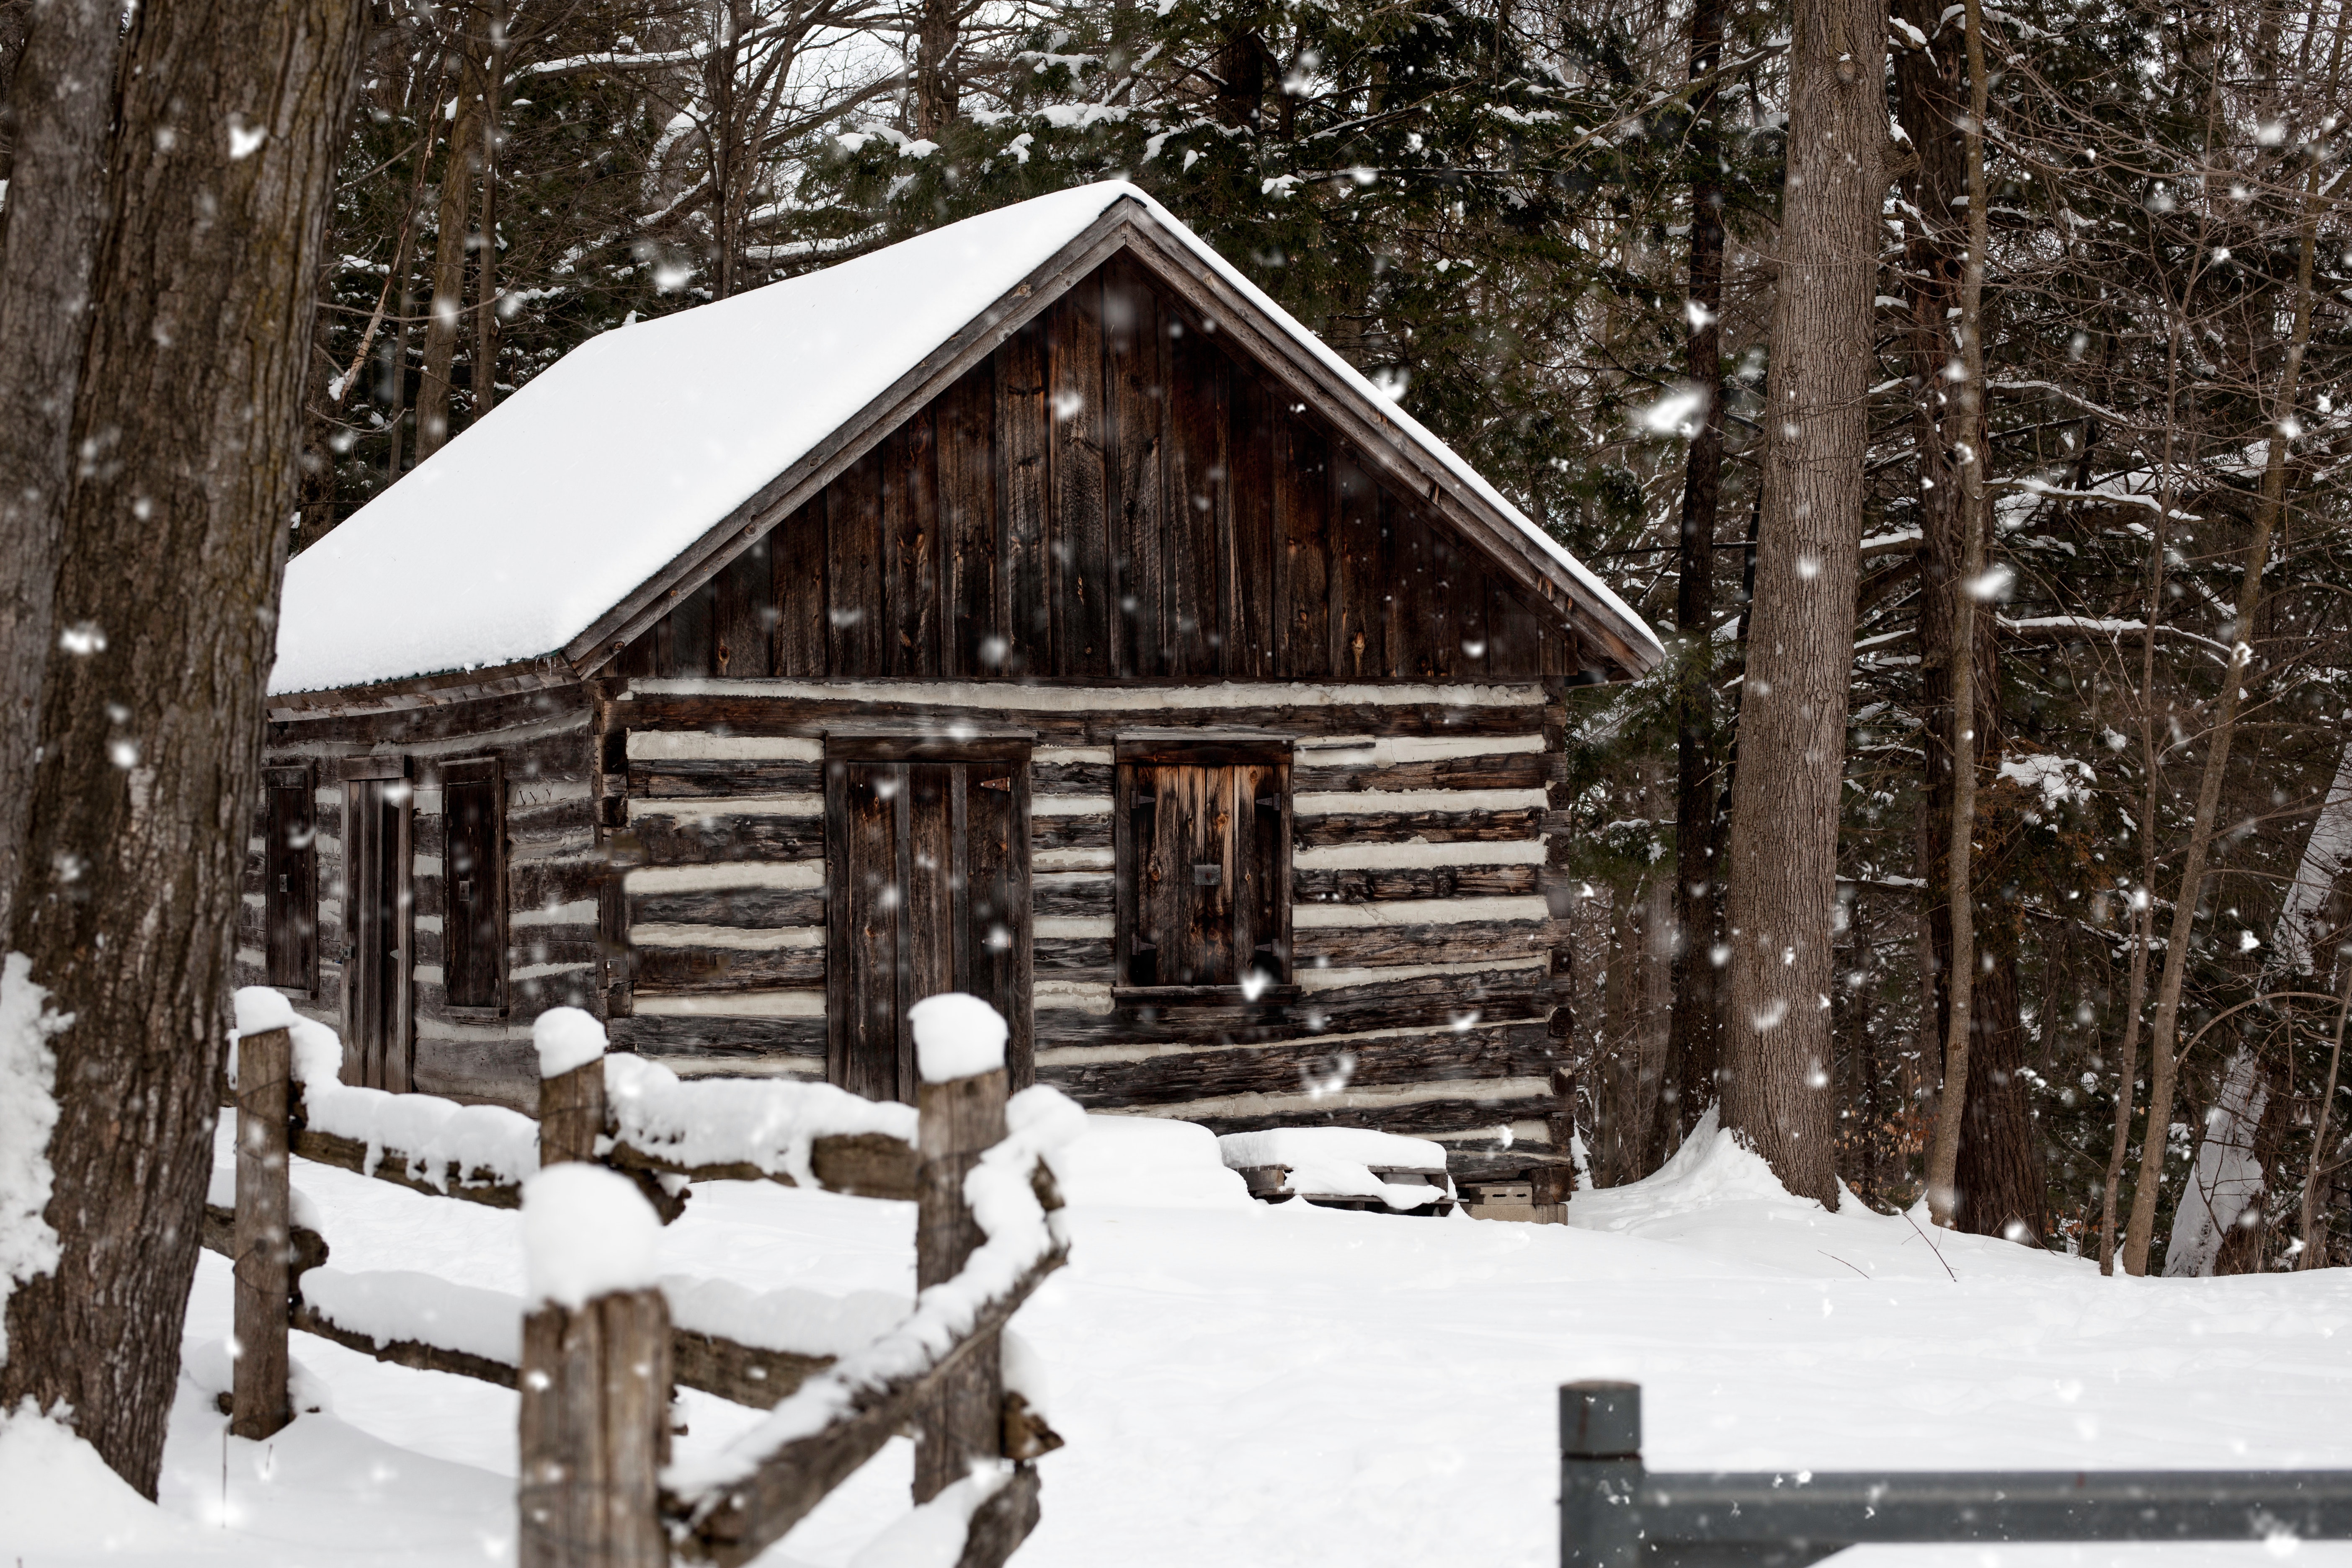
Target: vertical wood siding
x=1113 y=493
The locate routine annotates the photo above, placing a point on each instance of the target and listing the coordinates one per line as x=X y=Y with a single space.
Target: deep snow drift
x=1244 y=1385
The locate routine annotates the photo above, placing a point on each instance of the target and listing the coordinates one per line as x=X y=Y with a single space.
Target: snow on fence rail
x=599 y=1340
x=1614 y=1513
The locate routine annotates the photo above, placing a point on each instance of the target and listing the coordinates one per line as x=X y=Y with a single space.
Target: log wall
x=1423 y=949
x=554 y=872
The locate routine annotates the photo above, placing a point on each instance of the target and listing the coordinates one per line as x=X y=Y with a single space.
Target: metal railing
x=1614 y=1513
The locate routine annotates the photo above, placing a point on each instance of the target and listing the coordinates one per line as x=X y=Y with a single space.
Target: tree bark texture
x=1695 y=1050
x=63 y=103
x=231 y=116
x=1782 y=890
x=445 y=314
x=936 y=92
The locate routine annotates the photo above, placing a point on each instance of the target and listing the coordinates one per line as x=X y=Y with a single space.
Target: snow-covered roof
x=518 y=535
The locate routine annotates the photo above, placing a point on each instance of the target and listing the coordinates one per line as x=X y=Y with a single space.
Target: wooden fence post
x=572 y=1113
x=595 y=1376
x=957 y=1122
x=258 y=1404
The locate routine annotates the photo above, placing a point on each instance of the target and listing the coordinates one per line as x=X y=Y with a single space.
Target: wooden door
x=1201 y=832
x=928 y=877
x=375 y=927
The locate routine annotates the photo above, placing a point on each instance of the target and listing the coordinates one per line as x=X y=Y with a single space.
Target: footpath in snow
x=1245 y=1387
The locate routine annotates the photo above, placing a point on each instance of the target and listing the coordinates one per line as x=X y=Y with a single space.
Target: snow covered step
x=1342 y=1167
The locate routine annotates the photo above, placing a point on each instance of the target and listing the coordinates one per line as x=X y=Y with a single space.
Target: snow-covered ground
x=1242 y=1385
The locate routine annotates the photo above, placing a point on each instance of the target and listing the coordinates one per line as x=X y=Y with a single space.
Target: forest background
x=1555 y=233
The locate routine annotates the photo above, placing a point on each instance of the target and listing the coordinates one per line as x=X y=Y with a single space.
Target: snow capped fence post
x=259 y=1405
x=571 y=1084
x=1600 y=1468
x=596 y=1377
x=959 y=1052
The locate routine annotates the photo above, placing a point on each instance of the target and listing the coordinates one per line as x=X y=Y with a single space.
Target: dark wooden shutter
x=290 y=893
x=1205 y=856
x=473 y=938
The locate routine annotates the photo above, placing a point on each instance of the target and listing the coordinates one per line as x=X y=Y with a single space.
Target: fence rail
x=1615 y=1513
x=596 y=1375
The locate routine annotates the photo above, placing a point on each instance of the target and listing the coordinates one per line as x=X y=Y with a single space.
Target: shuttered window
x=473 y=927
x=1203 y=839
x=290 y=889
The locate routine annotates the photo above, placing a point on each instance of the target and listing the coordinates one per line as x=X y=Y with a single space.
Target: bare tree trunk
x=1696 y=1048
x=486 y=258
x=444 y=315
x=1944 y=1152
x=935 y=91
x=1785 y=797
x=63 y=103
x=1998 y=1173
x=231 y=115
x=2163 y=1063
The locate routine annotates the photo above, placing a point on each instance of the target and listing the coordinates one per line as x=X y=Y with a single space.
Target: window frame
x=468 y=773
x=1195 y=748
x=301 y=896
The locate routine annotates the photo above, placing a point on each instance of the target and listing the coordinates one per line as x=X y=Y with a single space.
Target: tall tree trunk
x=1695 y=1050
x=231 y=115
x=2163 y=1063
x=485 y=380
x=62 y=103
x=1785 y=800
x=935 y=91
x=445 y=316
x=1997 y=1169
x=1952 y=1105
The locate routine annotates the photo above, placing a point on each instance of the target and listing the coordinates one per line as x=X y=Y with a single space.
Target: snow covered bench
x=1342 y=1167
x=598 y=1341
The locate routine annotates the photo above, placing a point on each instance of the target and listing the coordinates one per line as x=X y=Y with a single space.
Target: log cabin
x=1032 y=608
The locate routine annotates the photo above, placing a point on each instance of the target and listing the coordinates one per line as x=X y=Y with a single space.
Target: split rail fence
x=596 y=1380
x=1614 y=1513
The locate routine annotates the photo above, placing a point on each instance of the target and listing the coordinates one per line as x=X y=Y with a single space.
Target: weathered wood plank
x=855 y=558
x=1251 y=608
x=1511 y=769
x=594 y=1433
x=669 y=1035
x=750 y=907
x=799 y=547
x=972 y=548
x=715 y=778
x=697 y=841
x=910 y=581
x=1414 y=882
x=715 y=971
x=1069 y=897
x=1358 y=573
x=1402 y=826
x=1200 y=514
x=264 y=1226
x=1070 y=832
x=1302 y=499
x=1520 y=1050
x=1469 y=941
x=1079 y=544
x=1021 y=436
x=1424 y=1002
x=1136 y=386
x=745 y=613
x=963 y=1419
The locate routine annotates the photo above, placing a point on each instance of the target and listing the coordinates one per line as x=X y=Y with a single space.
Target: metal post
x=1599 y=1474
